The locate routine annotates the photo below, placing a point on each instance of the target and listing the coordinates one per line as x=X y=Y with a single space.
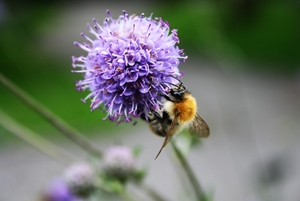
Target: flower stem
x=190 y=174
x=151 y=192
x=57 y=122
x=36 y=140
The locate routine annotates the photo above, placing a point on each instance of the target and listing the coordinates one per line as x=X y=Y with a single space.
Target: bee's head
x=174 y=92
x=178 y=91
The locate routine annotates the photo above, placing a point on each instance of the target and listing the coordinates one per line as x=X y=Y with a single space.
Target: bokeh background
x=243 y=68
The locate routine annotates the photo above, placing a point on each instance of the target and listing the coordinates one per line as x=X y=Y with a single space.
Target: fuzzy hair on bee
x=178 y=112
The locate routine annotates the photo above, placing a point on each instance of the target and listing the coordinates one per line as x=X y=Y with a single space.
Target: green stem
x=190 y=174
x=62 y=126
x=36 y=140
x=125 y=196
x=129 y=196
x=151 y=192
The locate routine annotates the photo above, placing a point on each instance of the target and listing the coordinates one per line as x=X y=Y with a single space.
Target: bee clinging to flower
x=178 y=112
x=131 y=71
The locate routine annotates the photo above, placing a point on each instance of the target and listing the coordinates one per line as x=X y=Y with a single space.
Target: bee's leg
x=143 y=117
x=150 y=116
x=168 y=98
x=165 y=96
x=157 y=115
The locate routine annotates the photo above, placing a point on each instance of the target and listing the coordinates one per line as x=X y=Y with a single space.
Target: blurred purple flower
x=129 y=65
x=118 y=162
x=58 y=191
x=80 y=178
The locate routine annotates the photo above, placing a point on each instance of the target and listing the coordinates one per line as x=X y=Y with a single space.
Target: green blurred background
x=258 y=36
x=243 y=68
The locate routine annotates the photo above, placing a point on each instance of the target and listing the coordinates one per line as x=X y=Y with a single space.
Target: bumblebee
x=178 y=112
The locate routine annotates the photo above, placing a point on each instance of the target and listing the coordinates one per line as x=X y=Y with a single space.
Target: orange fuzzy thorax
x=186 y=109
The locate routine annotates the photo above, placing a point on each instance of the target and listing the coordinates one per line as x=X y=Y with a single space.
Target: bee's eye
x=173 y=92
x=177 y=93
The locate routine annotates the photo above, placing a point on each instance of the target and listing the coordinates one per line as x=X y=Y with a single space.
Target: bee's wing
x=168 y=136
x=199 y=128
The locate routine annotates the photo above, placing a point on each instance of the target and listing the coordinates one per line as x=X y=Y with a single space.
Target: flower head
x=80 y=178
x=58 y=190
x=129 y=65
x=118 y=162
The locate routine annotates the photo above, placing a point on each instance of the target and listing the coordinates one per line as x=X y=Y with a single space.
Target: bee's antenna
x=171 y=84
x=174 y=78
x=177 y=86
x=181 y=84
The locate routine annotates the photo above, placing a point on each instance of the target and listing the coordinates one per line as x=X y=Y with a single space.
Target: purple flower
x=80 y=178
x=129 y=65
x=58 y=191
x=118 y=162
